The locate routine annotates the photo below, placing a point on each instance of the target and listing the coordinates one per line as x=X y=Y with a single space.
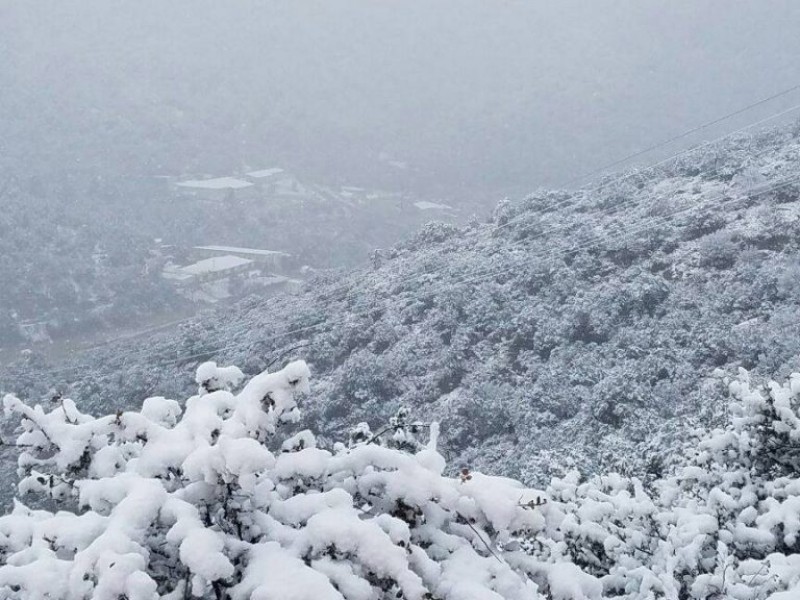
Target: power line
x=474 y=277
x=525 y=241
x=348 y=288
x=646 y=224
x=617 y=208
x=656 y=220
x=680 y=136
x=493 y=273
x=626 y=176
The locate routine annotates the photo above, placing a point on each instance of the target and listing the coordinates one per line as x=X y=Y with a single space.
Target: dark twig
x=287 y=351
x=480 y=537
x=395 y=427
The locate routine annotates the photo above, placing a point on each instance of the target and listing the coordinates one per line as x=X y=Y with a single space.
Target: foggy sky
x=476 y=96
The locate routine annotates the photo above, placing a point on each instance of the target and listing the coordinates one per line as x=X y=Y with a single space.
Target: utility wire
x=347 y=288
x=472 y=278
x=680 y=136
x=626 y=176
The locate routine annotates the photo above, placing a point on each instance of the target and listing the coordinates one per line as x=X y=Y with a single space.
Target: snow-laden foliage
x=213 y=500
x=173 y=502
x=568 y=332
x=724 y=525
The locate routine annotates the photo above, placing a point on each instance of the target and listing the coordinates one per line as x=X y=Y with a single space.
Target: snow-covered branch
x=173 y=502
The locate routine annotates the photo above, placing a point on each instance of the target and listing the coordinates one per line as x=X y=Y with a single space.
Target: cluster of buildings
x=272 y=182
x=278 y=184
x=218 y=270
x=214 y=273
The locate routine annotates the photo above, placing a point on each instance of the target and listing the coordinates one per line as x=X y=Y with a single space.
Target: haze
x=382 y=115
x=475 y=96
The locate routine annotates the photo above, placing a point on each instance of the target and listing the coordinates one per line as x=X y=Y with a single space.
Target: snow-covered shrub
x=503 y=212
x=434 y=232
x=705 y=223
x=187 y=501
x=609 y=530
x=718 y=250
x=211 y=500
x=731 y=512
x=212 y=378
x=724 y=525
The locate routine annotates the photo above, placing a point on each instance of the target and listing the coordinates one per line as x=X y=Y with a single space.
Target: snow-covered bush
x=212 y=378
x=734 y=513
x=178 y=502
x=725 y=525
x=220 y=499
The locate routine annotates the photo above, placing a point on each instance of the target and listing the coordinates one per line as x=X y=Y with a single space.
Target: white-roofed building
x=425 y=205
x=227 y=274
x=210 y=280
x=216 y=188
x=218 y=183
x=209 y=269
x=265 y=173
x=274 y=258
x=218 y=264
x=277 y=183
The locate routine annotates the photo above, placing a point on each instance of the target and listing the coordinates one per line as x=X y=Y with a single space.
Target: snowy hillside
x=210 y=498
x=576 y=328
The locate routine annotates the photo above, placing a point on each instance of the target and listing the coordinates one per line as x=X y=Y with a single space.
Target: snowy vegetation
x=217 y=499
x=587 y=393
x=71 y=266
x=79 y=255
x=574 y=329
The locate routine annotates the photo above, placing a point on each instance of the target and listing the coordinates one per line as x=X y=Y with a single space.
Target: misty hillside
x=575 y=327
x=68 y=266
x=110 y=108
x=84 y=254
x=358 y=300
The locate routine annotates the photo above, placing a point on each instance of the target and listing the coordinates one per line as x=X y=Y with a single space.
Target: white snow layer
x=208 y=501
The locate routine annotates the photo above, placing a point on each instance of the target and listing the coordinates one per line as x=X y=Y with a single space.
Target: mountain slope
x=570 y=329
